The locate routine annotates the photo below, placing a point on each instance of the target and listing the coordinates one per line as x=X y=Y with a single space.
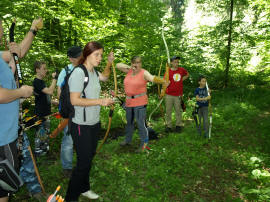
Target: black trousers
x=85 y=139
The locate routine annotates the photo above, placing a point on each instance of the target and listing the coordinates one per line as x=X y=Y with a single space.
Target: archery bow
x=195 y=115
x=15 y=56
x=164 y=87
x=159 y=71
x=32 y=121
x=111 y=109
x=18 y=74
x=159 y=93
x=210 y=112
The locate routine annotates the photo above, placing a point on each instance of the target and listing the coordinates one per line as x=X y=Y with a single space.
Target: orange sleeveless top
x=135 y=85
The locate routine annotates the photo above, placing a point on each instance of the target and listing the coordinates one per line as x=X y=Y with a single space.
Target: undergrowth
x=232 y=166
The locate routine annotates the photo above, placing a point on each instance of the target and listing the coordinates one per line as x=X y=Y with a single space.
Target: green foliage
x=134 y=28
x=262 y=177
x=179 y=167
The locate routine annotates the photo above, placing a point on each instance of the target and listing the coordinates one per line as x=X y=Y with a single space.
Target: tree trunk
x=229 y=48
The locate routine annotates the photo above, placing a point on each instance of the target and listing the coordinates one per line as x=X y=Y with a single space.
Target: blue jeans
x=66 y=150
x=203 y=114
x=138 y=113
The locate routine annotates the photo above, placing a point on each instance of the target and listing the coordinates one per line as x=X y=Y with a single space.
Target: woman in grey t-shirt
x=84 y=131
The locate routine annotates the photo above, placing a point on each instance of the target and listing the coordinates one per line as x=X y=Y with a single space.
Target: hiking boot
x=38 y=152
x=124 y=143
x=178 y=129
x=168 y=130
x=67 y=173
x=90 y=194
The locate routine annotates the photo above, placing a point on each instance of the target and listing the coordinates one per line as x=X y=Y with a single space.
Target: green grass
x=184 y=167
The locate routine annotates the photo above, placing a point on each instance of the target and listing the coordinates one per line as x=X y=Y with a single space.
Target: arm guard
x=158 y=80
x=164 y=87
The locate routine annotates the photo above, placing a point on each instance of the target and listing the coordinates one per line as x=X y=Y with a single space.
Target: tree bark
x=226 y=81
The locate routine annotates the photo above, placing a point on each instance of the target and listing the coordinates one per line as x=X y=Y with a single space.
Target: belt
x=135 y=96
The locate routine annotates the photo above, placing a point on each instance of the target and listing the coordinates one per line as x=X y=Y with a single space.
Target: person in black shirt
x=42 y=106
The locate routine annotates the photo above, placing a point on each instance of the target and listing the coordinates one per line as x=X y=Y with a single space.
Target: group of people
x=84 y=127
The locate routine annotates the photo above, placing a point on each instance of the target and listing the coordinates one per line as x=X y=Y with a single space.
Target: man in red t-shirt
x=173 y=94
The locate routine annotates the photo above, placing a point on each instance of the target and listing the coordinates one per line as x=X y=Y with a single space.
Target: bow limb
x=165 y=43
x=20 y=83
x=150 y=116
x=164 y=87
x=159 y=71
x=159 y=93
x=108 y=128
x=210 y=115
x=163 y=90
x=15 y=56
x=115 y=80
x=11 y=31
x=210 y=112
x=111 y=109
x=36 y=169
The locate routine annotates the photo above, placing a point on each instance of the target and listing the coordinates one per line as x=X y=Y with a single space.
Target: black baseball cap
x=74 y=51
x=175 y=58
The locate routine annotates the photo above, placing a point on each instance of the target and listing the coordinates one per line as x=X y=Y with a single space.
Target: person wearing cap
x=74 y=54
x=174 y=92
x=42 y=106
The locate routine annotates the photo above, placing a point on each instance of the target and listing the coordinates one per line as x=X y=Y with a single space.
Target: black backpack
x=9 y=179
x=66 y=109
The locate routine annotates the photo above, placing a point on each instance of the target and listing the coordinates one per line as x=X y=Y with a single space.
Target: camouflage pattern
x=42 y=138
x=27 y=171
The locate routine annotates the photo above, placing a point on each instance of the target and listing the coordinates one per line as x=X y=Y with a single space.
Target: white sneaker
x=90 y=194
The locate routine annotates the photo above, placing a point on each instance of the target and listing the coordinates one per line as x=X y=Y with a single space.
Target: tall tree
x=226 y=79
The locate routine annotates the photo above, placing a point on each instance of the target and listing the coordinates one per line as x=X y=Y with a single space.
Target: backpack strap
x=86 y=81
x=96 y=72
x=66 y=69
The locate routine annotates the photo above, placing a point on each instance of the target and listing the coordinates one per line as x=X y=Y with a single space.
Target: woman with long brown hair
x=85 y=124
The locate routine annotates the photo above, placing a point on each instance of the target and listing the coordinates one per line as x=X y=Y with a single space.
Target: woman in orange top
x=136 y=98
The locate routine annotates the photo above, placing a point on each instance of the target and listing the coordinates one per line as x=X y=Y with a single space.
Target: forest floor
x=232 y=166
